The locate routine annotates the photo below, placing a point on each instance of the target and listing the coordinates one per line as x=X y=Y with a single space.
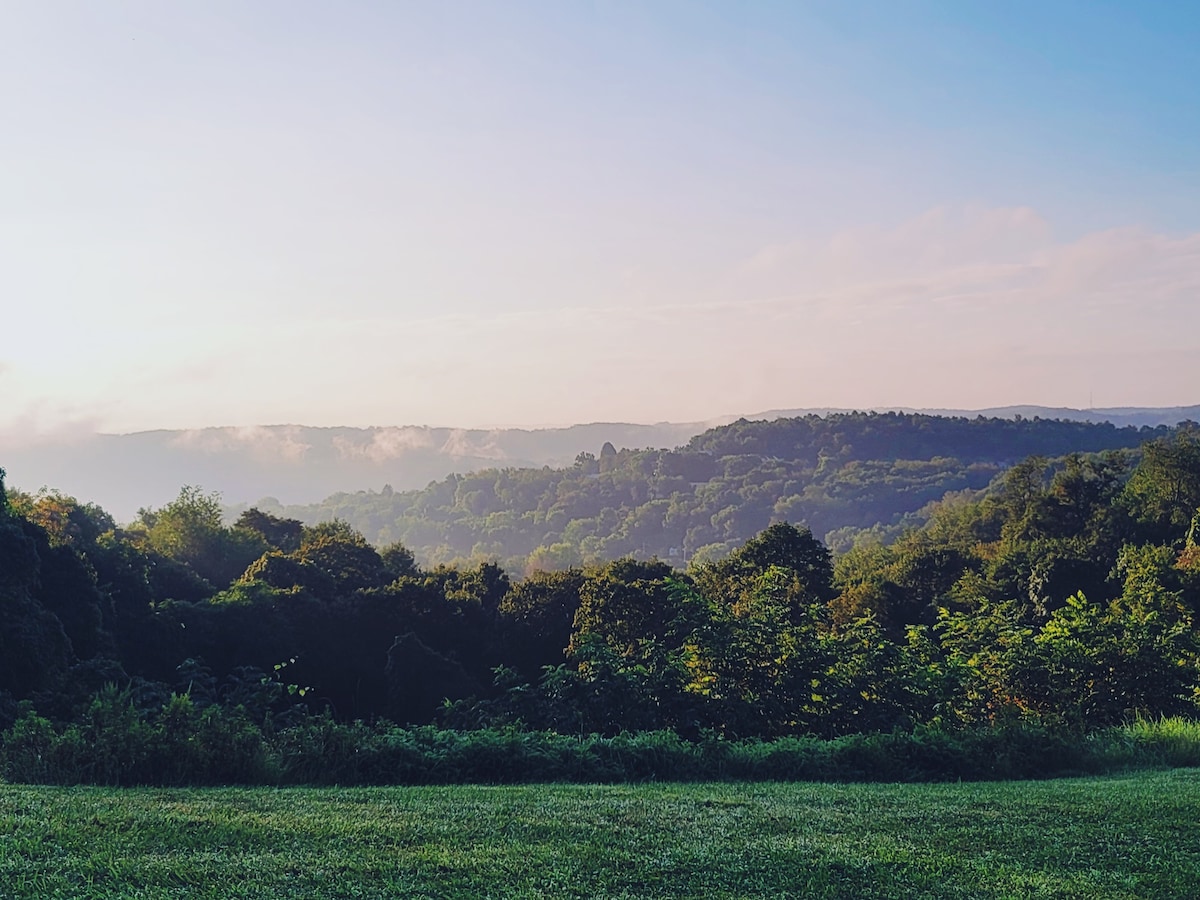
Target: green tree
x=781 y=546
x=34 y=650
x=190 y=530
x=1102 y=664
x=279 y=533
x=986 y=655
x=343 y=554
x=1163 y=492
x=399 y=561
x=536 y=619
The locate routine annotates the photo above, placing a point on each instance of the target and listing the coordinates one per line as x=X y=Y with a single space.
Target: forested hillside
x=303 y=465
x=1069 y=594
x=837 y=475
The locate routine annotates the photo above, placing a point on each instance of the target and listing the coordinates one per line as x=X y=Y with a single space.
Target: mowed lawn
x=1136 y=836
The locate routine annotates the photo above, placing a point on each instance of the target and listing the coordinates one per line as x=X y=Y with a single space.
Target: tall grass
x=114 y=744
x=221 y=747
x=1168 y=742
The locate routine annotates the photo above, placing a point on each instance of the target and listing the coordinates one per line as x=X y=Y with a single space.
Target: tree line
x=1065 y=594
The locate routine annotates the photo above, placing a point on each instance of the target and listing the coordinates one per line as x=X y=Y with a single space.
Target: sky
x=518 y=213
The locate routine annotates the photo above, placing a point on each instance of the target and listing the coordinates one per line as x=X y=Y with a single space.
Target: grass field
x=1132 y=837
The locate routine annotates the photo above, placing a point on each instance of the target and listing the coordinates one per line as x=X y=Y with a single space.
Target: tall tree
x=190 y=530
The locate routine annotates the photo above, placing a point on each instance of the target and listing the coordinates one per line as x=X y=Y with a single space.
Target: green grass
x=1134 y=836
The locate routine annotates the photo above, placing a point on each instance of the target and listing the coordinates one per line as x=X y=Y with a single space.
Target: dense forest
x=1066 y=594
x=838 y=475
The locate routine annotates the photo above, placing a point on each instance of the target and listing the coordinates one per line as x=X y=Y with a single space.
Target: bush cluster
x=115 y=743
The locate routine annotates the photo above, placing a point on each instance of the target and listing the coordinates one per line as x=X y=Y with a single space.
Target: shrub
x=116 y=743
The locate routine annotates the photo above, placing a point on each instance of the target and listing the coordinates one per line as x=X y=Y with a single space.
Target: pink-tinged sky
x=533 y=213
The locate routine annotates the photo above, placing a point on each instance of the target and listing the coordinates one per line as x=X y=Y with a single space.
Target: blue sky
x=533 y=213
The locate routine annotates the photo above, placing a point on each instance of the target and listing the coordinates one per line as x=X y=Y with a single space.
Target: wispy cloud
x=940 y=239
x=988 y=261
x=385 y=444
x=268 y=444
x=964 y=307
x=42 y=421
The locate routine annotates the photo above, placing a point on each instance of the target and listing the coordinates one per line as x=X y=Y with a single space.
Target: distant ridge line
x=305 y=464
x=1124 y=415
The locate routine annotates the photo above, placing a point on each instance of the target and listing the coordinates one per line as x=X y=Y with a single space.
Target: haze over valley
x=294 y=464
